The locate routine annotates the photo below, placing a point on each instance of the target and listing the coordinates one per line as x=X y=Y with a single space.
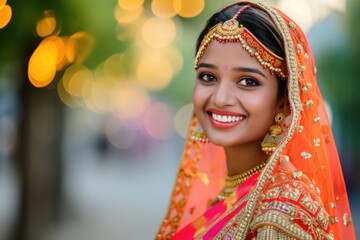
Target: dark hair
x=258 y=23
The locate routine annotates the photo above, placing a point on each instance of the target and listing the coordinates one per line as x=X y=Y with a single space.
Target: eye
x=248 y=82
x=207 y=77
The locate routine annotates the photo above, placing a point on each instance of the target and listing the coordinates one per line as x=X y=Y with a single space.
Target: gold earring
x=274 y=136
x=199 y=135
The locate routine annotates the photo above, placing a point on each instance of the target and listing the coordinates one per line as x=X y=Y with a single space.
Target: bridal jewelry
x=274 y=136
x=232 y=31
x=232 y=182
x=199 y=135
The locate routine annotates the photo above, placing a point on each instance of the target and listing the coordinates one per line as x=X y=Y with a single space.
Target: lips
x=225 y=119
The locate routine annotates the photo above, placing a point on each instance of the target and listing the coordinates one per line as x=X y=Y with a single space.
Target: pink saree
x=219 y=215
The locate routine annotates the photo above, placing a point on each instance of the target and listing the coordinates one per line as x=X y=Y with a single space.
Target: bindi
x=225 y=67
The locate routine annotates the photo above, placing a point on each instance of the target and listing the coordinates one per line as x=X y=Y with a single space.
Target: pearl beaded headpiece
x=232 y=31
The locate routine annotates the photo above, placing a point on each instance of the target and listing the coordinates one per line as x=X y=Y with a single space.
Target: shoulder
x=291 y=204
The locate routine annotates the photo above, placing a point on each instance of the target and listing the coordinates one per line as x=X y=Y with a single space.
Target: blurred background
x=95 y=98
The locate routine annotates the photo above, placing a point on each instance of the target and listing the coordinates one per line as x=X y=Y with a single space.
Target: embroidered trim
x=277 y=219
x=224 y=230
x=295 y=106
x=186 y=177
x=271 y=232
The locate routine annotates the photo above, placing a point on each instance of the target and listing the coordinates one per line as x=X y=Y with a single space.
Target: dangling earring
x=199 y=135
x=274 y=136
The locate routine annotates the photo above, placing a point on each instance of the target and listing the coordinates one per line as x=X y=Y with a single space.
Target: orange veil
x=308 y=144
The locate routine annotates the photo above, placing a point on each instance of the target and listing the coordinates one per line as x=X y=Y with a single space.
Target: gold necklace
x=232 y=182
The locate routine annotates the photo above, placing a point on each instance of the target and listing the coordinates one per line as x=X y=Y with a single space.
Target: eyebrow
x=238 y=69
x=252 y=70
x=207 y=65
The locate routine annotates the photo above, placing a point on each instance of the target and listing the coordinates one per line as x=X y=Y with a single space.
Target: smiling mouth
x=226 y=118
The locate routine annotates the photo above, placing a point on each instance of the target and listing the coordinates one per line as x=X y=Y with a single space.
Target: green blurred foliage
x=340 y=67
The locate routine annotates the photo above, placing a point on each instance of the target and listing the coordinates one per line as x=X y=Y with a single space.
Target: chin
x=221 y=142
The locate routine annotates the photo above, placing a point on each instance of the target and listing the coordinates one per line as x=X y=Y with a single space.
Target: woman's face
x=235 y=98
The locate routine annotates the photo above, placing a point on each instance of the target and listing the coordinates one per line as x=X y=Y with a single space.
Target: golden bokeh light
x=182 y=119
x=130 y=4
x=46 y=26
x=158 y=32
x=100 y=96
x=129 y=101
x=72 y=79
x=62 y=60
x=154 y=71
x=5 y=15
x=163 y=8
x=57 y=46
x=189 y=9
x=158 y=121
x=113 y=67
x=123 y=16
x=119 y=135
x=80 y=83
x=2 y=3
x=42 y=65
x=67 y=98
x=79 y=46
x=175 y=58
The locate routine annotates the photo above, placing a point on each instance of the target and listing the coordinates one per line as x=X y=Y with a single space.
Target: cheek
x=264 y=105
x=199 y=97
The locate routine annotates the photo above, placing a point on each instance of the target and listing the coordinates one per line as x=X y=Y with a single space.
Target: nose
x=224 y=94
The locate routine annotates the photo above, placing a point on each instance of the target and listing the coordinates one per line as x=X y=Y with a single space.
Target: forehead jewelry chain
x=232 y=31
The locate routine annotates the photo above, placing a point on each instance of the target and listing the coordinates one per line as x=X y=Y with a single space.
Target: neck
x=242 y=158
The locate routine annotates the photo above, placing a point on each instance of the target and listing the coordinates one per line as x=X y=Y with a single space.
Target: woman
x=271 y=169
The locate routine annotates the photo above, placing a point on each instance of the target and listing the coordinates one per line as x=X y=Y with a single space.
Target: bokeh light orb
x=42 y=66
x=68 y=99
x=113 y=67
x=56 y=45
x=182 y=119
x=189 y=9
x=5 y=15
x=46 y=25
x=123 y=16
x=129 y=101
x=154 y=71
x=80 y=83
x=158 y=32
x=175 y=58
x=163 y=8
x=130 y=4
x=158 y=121
x=79 y=46
x=74 y=77
x=100 y=96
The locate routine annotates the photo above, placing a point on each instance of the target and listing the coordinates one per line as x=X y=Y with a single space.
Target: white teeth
x=226 y=119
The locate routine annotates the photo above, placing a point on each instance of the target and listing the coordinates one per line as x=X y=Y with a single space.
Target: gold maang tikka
x=232 y=31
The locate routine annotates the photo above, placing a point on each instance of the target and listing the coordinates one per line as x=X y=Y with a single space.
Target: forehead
x=229 y=54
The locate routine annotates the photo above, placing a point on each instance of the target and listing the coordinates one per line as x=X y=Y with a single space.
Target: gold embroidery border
x=279 y=220
x=181 y=176
x=244 y=199
x=296 y=106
